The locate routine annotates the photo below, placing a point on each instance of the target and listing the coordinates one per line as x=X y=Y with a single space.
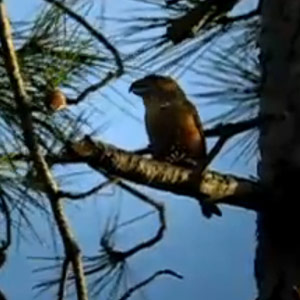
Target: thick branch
x=11 y=64
x=227 y=189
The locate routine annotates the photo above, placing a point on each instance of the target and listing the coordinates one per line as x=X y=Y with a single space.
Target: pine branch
x=220 y=188
x=100 y=37
x=203 y=14
x=63 y=279
x=160 y=232
x=148 y=280
x=92 y=88
x=243 y=17
x=88 y=193
x=231 y=129
x=23 y=108
x=5 y=210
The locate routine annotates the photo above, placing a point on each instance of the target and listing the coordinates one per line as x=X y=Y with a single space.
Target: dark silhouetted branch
x=100 y=37
x=88 y=193
x=232 y=129
x=92 y=88
x=6 y=213
x=243 y=17
x=161 y=214
x=63 y=279
x=145 y=282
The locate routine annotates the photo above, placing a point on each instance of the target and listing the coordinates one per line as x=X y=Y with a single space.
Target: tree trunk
x=277 y=264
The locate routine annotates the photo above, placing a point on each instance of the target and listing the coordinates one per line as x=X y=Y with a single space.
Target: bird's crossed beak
x=139 y=87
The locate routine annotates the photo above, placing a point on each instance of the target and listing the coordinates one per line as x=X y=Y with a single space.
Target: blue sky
x=215 y=256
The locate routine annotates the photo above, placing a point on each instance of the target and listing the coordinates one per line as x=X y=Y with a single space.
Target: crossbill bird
x=173 y=125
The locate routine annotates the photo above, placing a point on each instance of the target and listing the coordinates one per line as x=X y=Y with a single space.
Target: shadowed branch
x=152 y=241
x=92 y=88
x=63 y=279
x=148 y=280
x=99 y=36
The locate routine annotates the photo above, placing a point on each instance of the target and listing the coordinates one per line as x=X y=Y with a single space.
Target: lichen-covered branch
x=219 y=188
x=23 y=107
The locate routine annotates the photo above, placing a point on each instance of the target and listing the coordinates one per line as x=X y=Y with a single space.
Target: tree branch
x=92 y=88
x=232 y=129
x=100 y=37
x=5 y=210
x=221 y=189
x=23 y=107
x=198 y=17
x=63 y=279
x=148 y=280
x=80 y=196
x=159 y=207
x=244 y=17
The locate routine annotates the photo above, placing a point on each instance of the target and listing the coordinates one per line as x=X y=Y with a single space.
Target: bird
x=173 y=125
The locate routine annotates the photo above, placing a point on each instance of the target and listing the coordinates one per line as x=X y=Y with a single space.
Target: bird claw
x=209 y=209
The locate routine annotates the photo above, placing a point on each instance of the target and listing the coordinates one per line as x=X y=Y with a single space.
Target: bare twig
x=232 y=129
x=225 y=132
x=63 y=279
x=22 y=101
x=6 y=213
x=148 y=280
x=161 y=214
x=88 y=193
x=99 y=36
x=243 y=17
x=92 y=88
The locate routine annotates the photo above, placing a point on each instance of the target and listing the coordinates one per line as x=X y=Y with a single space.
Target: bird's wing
x=198 y=123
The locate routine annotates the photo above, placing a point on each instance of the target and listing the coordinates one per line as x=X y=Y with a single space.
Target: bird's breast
x=172 y=127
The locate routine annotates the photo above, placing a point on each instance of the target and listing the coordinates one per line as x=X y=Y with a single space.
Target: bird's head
x=153 y=87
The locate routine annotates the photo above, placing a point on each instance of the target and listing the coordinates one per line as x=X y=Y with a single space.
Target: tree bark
x=277 y=264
